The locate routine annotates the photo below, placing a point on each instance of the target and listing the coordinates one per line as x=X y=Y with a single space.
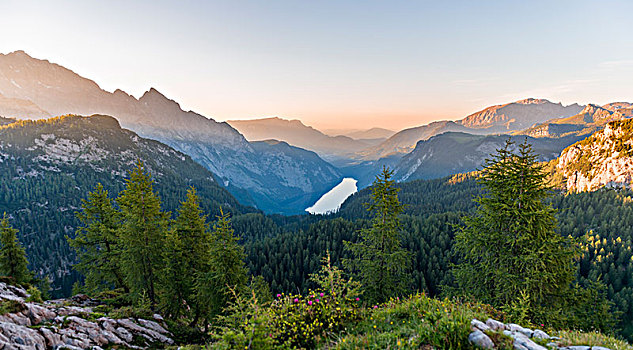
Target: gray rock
x=146 y=333
x=21 y=335
x=124 y=334
x=476 y=324
x=599 y=348
x=158 y=328
x=540 y=334
x=481 y=340
x=51 y=338
x=38 y=314
x=521 y=342
x=495 y=325
x=579 y=347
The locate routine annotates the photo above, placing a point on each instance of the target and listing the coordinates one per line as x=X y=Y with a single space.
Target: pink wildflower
x=321 y=294
x=278 y=295
x=310 y=302
x=357 y=299
x=296 y=300
x=317 y=300
x=375 y=306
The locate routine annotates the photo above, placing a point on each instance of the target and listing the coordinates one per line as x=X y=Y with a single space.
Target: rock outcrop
x=605 y=159
x=522 y=338
x=71 y=324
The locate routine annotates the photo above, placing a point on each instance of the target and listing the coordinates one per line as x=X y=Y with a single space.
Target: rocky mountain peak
x=603 y=159
x=532 y=101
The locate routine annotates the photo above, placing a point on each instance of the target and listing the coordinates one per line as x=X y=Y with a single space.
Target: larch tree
x=511 y=255
x=188 y=255
x=227 y=275
x=378 y=258
x=142 y=235
x=97 y=243
x=13 y=262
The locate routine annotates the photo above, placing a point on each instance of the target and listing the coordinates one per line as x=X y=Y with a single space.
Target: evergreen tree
x=13 y=262
x=378 y=258
x=97 y=243
x=227 y=272
x=512 y=256
x=188 y=254
x=142 y=235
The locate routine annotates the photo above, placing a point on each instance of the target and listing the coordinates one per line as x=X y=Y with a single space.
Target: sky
x=336 y=64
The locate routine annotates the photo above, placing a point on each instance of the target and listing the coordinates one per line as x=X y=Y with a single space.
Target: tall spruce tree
x=378 y=259
x=227 y=274
x=97 y=243
x=142 y=235
x=512 y=256
x=188 y=255
x=13 y=262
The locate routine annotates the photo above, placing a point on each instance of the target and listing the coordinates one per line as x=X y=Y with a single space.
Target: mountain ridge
x=217 y=146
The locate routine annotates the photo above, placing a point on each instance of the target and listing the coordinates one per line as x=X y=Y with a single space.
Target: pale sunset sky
x=336 y=64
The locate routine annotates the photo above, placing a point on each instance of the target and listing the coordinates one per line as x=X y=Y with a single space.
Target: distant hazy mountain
x=456 y=152
x=603 y=159
x=591 y=119
x=492 y=120
x=47 y=167
x=56 y=90
x=370 y=134
x=298 y=134
x=404 y=141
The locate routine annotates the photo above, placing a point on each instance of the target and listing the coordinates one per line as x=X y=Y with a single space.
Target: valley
x=294 y=193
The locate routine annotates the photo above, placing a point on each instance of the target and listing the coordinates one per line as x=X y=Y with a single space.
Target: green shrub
x=35 y=295
x=132 y=312
x=11 y=306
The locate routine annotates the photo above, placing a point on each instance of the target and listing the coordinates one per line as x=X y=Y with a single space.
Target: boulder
x=478 y=325
x=495 y=325
x=540 y=334
x=23 y=336
x=480 y=340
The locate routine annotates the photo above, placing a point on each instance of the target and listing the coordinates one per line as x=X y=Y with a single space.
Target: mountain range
x=284 y=166
x=297 y=134
x=33 y=88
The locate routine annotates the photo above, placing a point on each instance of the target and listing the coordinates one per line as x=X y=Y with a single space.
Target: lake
x=331 y=201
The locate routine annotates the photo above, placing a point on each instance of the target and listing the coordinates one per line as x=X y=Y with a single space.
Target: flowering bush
x=303 y=321
x=290 y=321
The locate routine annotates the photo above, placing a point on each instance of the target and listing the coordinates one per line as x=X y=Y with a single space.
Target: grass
x=592 y=339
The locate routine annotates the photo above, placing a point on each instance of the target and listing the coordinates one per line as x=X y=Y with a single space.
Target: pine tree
x=142 y=235
x=13 y=262
x=512 y=255
x=97 y=243
x=188 y=254
x=227 y=271
x=378 y=258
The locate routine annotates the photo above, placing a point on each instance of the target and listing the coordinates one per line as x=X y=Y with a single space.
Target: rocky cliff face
x=603 y=159
x=37 y=89
x=72 y=324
